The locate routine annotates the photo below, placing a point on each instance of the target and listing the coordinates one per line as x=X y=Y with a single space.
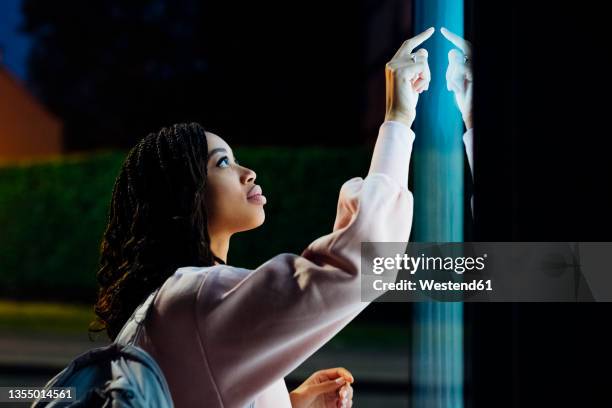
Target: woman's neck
x=219 y=245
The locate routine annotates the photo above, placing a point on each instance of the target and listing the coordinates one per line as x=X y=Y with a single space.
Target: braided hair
x=157 y=222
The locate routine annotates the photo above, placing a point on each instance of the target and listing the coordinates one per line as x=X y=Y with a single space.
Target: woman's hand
x=407 y=75
x=330 y=388
x=459 y=77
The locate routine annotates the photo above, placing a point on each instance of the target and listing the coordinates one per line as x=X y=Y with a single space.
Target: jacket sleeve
x=261 y=329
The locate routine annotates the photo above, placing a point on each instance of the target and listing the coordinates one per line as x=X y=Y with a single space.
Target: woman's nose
x=248 y=175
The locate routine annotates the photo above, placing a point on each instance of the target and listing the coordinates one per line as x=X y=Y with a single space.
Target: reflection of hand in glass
x=459 y=80
x=407 y=75
x=459 y=77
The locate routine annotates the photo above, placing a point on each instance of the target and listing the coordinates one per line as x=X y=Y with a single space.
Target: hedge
x=53 y=214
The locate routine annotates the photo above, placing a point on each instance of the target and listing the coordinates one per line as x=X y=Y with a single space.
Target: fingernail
x=340 y=380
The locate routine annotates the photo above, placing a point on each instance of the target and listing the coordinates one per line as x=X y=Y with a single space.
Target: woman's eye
x=224 y=160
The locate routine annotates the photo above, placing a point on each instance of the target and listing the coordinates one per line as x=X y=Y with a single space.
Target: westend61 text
x=430 y=284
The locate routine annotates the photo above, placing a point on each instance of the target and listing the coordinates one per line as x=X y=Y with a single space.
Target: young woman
x=226 y=336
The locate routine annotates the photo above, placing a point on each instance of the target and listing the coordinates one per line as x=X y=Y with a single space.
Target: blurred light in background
x=437 y=369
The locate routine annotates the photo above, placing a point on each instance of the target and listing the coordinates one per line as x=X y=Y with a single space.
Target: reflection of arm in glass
x=459 y=80
x=459 y=77
x=468 y=141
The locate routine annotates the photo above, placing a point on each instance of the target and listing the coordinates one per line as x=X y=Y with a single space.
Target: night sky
x=15 y=45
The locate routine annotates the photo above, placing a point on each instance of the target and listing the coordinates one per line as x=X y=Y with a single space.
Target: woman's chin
x=262 y=218
x=256 y=221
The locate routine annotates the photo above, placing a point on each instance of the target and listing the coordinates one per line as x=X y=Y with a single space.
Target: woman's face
x=235 y=203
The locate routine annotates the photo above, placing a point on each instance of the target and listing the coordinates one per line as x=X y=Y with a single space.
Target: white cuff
x=392 y=151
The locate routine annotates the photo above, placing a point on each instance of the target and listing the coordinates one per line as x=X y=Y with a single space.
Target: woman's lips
x=255 y=195
x=257 y=198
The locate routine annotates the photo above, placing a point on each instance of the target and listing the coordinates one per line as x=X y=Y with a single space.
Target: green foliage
x=53 y=214
x=45 y=320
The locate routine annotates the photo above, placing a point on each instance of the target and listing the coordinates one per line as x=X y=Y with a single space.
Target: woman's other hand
x=407 y=75
x=459 y=78
x=330 y=388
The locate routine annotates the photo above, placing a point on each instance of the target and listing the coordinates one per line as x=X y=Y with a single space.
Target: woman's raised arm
x=260 y=329
x=257 y=331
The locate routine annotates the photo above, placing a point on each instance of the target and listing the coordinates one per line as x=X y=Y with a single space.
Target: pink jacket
x=226 y=336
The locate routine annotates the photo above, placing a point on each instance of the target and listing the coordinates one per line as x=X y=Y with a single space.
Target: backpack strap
x=132 y=328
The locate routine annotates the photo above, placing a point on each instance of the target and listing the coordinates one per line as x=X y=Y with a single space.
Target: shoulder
x=188 y=277
x=208 y=285
x=181 y=289
x=222 y=281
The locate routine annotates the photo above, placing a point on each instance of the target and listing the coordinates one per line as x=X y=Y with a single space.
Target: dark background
x=257 y=73
x=542 y=173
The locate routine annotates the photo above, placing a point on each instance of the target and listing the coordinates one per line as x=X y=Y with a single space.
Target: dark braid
x=157 y=222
